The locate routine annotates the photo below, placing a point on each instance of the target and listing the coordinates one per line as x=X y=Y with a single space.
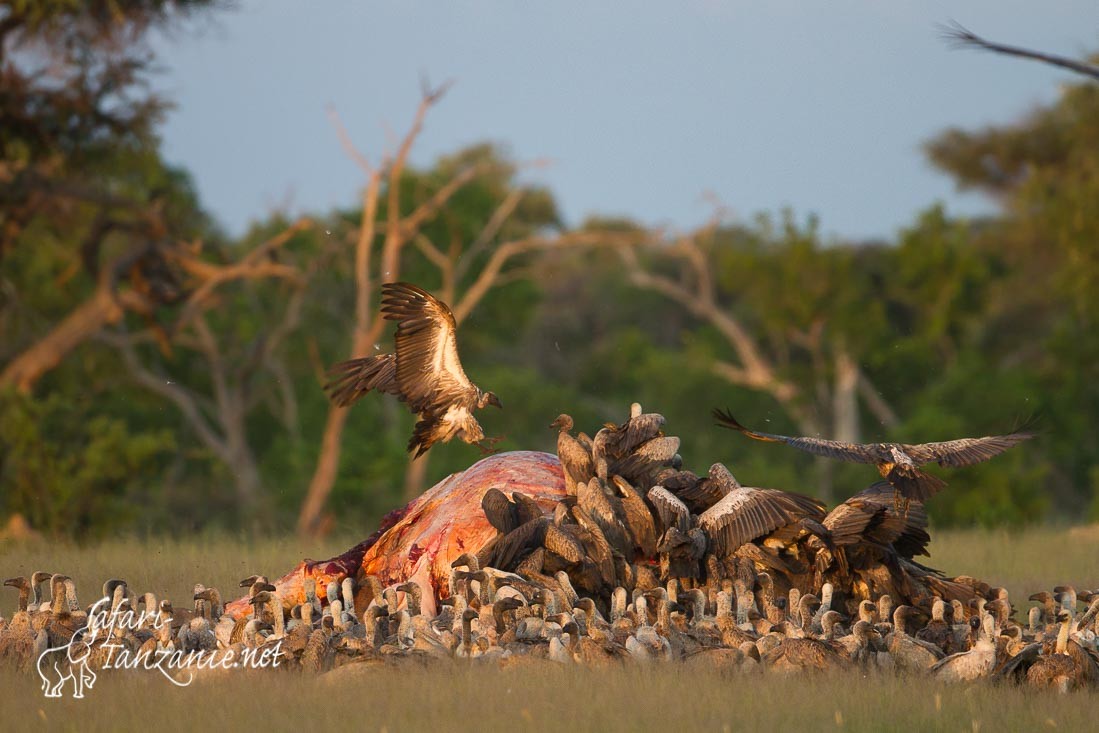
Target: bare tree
x=218 y=418
x=496 y=272
x=367 y=328
x=838 y=382
x=453 y=264
x=153 y=273
x=965 y=38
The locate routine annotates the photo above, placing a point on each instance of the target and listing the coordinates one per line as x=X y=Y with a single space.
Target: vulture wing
x=638 y=430
x=848 y=520
x=643 y=463
x=639 y=520
x=907 y=531
x=747 y=513
x=519 y=542
x=964 y=451
x=351 y=379
x=429 y=372
x=526 y=509
x=500 y=511
x=672 y=511
x=705 y=493
x=852 y=452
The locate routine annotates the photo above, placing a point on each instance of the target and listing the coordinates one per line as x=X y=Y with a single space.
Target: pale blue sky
x=643 y=107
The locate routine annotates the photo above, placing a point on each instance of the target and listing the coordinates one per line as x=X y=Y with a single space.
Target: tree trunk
x=248 y=484
x=324 y=476
x=823 y=468
x=845 y=405
x=82 y=323
x=414 y=477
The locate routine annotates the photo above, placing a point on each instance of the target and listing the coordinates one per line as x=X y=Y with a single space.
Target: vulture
x=747 y=513
x=614 y=442
x=576 y=461
x=425 y=371
x=506 y=515
x=898 y=463
x=870 y=516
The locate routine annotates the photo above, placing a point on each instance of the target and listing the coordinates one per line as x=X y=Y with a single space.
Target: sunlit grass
x=545 y=697
x=167 y=567
x=1022 y=560
x=459 y=697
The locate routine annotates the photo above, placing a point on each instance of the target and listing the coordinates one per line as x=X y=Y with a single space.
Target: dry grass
x=168 y=567
x=1024 y=561
x=544 y=697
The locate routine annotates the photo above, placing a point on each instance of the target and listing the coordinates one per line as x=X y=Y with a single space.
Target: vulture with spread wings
x=425 y=371
x=747 y=513
x=898 y=463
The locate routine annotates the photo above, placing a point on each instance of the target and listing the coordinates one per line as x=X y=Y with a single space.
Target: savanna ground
x=459 y=698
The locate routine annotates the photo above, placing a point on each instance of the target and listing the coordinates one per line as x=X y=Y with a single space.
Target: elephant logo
x=57 y=665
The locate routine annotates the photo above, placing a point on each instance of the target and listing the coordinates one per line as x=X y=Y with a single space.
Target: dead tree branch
x=698 y=298
x=877 y=404
x=491 y=229
x=509 y=250
x=367 y=330
x=962 y=37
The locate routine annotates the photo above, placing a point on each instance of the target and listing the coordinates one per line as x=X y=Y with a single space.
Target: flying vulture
x=898 y=463
x=425 y=371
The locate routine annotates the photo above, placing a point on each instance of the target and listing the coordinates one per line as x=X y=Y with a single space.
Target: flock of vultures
x=629 y=558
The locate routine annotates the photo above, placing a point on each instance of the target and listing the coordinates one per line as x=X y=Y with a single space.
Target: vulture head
x=489 y=398
x=563 y=422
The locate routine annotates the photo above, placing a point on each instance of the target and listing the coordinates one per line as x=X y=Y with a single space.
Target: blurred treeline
x=159 y=375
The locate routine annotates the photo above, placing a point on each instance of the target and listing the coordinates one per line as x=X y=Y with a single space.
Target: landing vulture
x=425 y=372
x=870 y=516
x=898 y=463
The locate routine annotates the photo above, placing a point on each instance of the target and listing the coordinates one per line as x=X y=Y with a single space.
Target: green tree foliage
x=74 y=102
x=1042 y=305
x=68 y=470
x=959 y=327
x=85 y=200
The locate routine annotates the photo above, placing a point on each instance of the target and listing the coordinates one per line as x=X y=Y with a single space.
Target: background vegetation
x=158 y=375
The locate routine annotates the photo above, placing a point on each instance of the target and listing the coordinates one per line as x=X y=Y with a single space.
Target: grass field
x=543 y=698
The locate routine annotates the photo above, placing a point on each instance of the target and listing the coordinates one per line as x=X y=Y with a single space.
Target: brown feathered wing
x=747 y=513
x=353 y=378
x=429 y=372
x=852 y=452
x=964 y=451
